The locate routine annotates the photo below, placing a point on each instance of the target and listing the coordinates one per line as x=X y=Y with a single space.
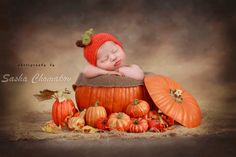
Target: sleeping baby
x=106 y=55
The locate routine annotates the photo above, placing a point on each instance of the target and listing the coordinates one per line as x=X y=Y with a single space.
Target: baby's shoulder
x=134 y=66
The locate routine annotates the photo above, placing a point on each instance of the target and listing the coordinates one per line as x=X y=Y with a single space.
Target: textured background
x=192 y=41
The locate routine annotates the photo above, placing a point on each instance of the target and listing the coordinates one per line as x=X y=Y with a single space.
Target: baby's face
x=110 y=56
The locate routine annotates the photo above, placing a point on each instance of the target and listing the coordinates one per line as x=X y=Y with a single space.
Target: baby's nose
x=113 y=58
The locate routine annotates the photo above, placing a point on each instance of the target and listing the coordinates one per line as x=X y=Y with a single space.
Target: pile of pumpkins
x=136 y=119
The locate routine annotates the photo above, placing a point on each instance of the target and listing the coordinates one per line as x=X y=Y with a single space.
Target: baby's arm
x=93 y=71
x=133 y=71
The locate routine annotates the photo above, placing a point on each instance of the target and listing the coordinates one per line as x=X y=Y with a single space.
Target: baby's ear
x=79 y=43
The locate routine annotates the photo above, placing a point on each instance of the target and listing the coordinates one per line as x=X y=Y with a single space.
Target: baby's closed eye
x=104 y=59
x=114 y=50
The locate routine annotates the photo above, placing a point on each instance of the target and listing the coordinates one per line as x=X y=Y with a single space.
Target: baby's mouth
x=117 y=63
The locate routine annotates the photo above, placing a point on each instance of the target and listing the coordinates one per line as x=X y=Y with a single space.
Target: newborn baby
x=106 y=55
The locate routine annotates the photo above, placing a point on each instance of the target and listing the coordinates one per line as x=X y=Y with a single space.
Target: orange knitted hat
x=90 y=50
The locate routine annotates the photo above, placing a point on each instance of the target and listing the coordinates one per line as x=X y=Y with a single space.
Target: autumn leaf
x=50 y=127
x=89 y=129
x=45 y=95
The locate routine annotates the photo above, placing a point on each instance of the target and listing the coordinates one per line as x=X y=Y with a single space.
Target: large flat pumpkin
x=113 y=92
x=173 y=100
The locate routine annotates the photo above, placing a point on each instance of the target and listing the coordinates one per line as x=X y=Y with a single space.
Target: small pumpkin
x=153 y=114
x=138 y=108
x=61 y=110
x=94 y=113
x=102 y=123
x=138 y=125
x=157 y=125
x=170 y=121
x=78 y=122
x=119 y=121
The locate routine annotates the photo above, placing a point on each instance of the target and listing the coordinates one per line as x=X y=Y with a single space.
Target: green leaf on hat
x=86 y=37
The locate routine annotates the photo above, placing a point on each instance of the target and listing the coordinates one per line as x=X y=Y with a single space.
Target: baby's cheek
x=101 y=65
x=105 y=66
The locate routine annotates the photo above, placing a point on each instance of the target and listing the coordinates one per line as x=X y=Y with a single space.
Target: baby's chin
x=113 y=68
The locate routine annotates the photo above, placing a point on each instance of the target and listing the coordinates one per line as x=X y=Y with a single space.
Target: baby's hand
x=133 y=71
x=115 y=73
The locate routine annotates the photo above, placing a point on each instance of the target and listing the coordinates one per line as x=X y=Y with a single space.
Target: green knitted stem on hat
x=86 y=37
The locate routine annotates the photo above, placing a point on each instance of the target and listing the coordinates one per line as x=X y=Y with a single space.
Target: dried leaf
x=50 y=127
x=89 y=129
x=76 y=123
x=45 y=95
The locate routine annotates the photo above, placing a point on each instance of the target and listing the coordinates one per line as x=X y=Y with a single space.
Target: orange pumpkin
x=93 y=113
x=114 y=99
x=138 y=125
x=119 y=121
x=138 y=108
x=153 y=114
x=62 y=110
x=173 y=100
x=170 y=121
x=157 y=125
x=77 y=122
x=102 y=123
x=115 y=95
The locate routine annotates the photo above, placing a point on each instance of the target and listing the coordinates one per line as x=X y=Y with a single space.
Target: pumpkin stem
x=54 y=96
x=66 y=91
x=177 y=94
x=161 y=120
x=136 y=122
x=64 y=94
x=136 y=101
x=120 y=115
x=96 y=103
x=159 y=111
